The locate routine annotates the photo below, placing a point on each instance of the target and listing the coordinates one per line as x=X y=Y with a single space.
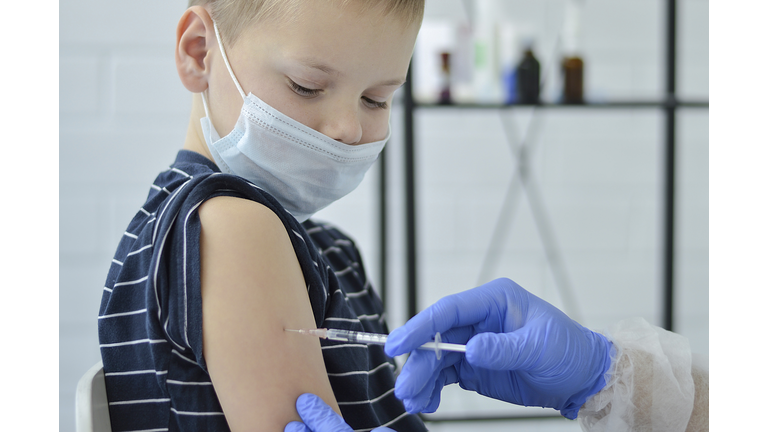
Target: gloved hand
x=520 y=349
x=319 y=417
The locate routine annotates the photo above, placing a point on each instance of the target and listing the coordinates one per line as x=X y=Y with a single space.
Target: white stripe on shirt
x=138 y=281
x=150 y=430
x=195 y=413
x=133 y=342
x=343 y=272
x=374 y=370
x=344 y=346
x=136 y=312
x=335 y=249
x=352 y=320
x=185 y=358
x=359 y=293
x=299 y=236
x=138 y=401
x=187 y=383
x=136 y=372
x=180 y=172
x=139 y=250
x=374 y=400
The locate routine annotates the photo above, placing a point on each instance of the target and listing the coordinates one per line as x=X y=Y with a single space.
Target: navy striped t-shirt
x=150 y=319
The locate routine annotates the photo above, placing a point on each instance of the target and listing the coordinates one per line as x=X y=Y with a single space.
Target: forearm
x=653 y=384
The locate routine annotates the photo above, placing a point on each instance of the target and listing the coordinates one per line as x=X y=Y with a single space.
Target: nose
x=343 y=125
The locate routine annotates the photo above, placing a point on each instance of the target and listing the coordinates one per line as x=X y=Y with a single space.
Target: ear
x=194 y=41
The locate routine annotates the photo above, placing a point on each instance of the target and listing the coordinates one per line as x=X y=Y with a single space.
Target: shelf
x=547 y=105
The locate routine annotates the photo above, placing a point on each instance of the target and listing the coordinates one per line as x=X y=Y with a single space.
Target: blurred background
x=565 y=195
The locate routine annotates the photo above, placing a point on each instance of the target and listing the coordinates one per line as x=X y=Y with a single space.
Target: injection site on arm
x=253 y=287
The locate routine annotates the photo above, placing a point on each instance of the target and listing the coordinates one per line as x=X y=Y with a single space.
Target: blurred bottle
x=462 y=85
x=573 y=85
x=528 y=77
x=573 y=64
x=485 y=74
x=509 y=57
x=445 y=79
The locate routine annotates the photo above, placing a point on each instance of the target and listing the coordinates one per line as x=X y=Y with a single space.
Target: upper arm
x=252 y=289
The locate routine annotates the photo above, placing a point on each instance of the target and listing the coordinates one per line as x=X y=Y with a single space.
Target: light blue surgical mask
x=302 y=168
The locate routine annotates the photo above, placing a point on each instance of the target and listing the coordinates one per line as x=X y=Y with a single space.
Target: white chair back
x=91 y=405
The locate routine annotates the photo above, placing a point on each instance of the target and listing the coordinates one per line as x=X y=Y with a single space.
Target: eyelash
x=373 y=104
x=303 y=91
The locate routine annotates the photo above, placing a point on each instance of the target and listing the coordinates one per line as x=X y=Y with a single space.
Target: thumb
x=500 y=351
x=318 y=416
x=295 y=426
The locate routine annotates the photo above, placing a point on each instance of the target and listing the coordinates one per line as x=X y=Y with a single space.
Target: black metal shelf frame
x=669 y=106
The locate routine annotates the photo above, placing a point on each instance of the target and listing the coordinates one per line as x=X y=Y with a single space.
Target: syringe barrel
x=370 y=338
x=356 y=337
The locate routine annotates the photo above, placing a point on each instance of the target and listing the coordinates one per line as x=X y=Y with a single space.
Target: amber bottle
x=445 y=79
x=573 y=85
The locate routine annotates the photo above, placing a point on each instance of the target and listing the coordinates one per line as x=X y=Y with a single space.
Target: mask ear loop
x=229 y=68
x=226 y=61
x=204 y=95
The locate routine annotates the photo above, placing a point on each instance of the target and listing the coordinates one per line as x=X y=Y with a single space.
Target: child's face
x=332 y=69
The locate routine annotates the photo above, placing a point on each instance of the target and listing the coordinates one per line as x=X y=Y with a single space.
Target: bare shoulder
x=252 y=289
x=222 y=214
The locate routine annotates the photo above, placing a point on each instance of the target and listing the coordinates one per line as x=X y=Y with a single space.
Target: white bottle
x=486 y=78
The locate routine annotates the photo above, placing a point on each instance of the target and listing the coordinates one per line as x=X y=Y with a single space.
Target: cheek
x=376 y=127
x=303 y=113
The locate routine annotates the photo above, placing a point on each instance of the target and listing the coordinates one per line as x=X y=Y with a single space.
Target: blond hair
x=234 y=16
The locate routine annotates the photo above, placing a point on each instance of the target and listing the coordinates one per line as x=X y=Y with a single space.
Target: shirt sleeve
x=175 y=270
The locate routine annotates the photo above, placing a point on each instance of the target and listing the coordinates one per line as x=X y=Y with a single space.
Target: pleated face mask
x=302 y=168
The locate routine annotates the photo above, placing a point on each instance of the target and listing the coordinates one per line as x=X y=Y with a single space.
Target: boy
x=290 y=107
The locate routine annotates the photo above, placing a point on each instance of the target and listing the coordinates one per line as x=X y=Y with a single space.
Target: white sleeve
x=654 y=383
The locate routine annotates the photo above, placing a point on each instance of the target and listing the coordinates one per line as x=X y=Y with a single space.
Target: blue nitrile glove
x=319 y=417
x=520 y=349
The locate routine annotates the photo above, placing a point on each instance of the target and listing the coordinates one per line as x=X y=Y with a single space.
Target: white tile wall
x=597 y=173
x=598 y=185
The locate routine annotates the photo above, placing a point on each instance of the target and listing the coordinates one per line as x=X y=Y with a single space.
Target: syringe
x=378 y=339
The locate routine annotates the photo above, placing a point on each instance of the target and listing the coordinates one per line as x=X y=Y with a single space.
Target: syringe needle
x=321 y=332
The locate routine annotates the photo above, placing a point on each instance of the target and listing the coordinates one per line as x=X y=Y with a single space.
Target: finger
x=423 y=398
x=462 y=309
x=458 y=335
x=421 y=375
x=503 y=351
x=416 y=375
x=318 y=416
x=295 y=426
x=446 y=376
x=434 y=400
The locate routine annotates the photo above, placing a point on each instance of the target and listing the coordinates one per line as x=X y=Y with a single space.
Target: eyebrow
x=314 y=64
